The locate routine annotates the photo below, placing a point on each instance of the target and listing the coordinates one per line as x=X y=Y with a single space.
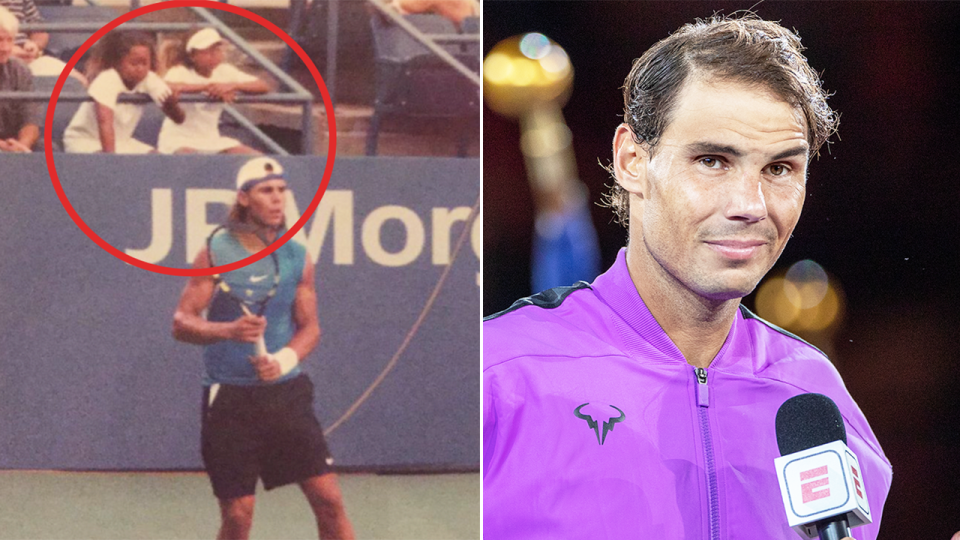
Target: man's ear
x=630 y=161
x=243 y=198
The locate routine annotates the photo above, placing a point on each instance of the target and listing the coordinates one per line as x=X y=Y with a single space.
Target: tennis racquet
x=252 y=286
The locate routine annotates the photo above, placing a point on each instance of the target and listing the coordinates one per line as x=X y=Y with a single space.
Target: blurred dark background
x=880 y=216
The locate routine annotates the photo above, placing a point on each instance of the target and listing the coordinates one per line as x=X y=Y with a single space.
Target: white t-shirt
x=200 y=130
x=83 y=133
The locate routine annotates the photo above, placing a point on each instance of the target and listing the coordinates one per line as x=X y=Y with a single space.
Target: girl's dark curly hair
x=117 y=44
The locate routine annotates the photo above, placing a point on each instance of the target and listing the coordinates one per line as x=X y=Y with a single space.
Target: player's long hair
x=743 y=49
x=238 y=220
x=239 y=214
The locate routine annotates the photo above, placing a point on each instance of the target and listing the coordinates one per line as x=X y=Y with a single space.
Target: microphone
x=820 y=479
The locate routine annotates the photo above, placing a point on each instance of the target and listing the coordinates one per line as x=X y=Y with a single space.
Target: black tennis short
x=265 y=432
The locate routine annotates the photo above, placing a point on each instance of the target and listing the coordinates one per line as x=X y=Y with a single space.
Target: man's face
x=6 y=45
x=723 y=189
x=265 y=202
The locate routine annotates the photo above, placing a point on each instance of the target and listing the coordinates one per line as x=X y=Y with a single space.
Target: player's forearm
x=305 y=340
x=197 y=330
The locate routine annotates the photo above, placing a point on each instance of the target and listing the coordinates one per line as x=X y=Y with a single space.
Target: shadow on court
x=66 y=505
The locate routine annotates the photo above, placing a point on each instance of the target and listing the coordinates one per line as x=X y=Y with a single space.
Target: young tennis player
x=258 y=420
x=104 y=125
x=200 y=68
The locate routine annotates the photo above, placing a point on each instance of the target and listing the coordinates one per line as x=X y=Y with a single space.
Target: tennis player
x=258 y=420
x=643 y=405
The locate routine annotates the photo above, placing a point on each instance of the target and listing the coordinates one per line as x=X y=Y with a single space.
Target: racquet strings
x=251 y=286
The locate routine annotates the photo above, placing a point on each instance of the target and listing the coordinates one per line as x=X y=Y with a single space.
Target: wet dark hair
x=117 y=44
x=743 y=49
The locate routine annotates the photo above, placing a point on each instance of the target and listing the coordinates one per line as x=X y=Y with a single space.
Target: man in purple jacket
x=643 y=405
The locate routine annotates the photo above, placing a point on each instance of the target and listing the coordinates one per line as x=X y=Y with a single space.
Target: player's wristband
x=287 y=358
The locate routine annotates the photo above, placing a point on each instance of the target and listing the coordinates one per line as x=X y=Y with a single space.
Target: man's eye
x=778 y=170
x=710 y=162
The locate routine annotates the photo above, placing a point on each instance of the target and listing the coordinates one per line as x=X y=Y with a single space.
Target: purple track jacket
x=596 y=427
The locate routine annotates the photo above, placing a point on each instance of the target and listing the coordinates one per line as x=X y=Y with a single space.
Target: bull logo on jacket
x=597 y=414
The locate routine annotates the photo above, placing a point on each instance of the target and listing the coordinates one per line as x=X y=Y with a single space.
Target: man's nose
x=745 y=198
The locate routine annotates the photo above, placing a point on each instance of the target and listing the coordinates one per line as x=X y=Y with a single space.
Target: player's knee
x=238 y=516
x=328 y=501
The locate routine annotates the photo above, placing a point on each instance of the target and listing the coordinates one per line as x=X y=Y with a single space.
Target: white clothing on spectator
x=201 y=130
x=83 y=133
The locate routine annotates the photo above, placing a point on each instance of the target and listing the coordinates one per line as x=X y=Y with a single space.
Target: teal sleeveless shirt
x=227 y=361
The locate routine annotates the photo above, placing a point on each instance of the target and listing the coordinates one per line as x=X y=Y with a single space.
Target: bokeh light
x=804 y=300
x=525 y=72
x=535 y=46
x=806 y=284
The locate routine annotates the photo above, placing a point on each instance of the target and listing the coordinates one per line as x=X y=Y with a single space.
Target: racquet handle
x=260 y=347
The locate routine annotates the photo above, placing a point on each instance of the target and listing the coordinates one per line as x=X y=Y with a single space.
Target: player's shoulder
x=788 y=359
x=298 y=260
x=777 y=335
x=548 y=299
x=785 y=356
x=295 y=249
x=559 y=322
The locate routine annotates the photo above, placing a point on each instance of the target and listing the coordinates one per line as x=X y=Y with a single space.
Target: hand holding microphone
x=820 y=478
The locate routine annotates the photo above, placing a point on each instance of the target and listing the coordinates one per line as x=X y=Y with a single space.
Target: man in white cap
x=203 y=71
x=258 y=419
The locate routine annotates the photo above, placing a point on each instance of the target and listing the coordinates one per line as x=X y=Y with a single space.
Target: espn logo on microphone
x=822 y=482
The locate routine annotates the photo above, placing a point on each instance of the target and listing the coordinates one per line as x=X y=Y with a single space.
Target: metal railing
x=297 y=93
x=299 y=19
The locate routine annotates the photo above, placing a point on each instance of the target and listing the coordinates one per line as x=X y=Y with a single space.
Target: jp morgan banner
x=90 y=377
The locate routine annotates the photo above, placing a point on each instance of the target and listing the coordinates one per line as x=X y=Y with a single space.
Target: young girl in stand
x=202 y=69
x=104 y=125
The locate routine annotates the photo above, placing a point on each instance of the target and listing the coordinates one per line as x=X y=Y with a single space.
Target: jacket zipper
x=703 y=402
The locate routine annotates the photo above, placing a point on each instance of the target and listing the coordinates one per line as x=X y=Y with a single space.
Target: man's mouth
x=736 y=249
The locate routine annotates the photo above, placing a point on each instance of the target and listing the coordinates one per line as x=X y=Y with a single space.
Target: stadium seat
x=63 y=44
x=471 y=25
x=64 y=112
x=413 y=82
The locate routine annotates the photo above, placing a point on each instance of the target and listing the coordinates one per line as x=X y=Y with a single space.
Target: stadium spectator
x=104 y=125
x=19 y=120
x=29 y=47
x=200 y=68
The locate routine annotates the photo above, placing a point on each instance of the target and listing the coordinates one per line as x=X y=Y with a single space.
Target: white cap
x=258 y=170
x=206 y=38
